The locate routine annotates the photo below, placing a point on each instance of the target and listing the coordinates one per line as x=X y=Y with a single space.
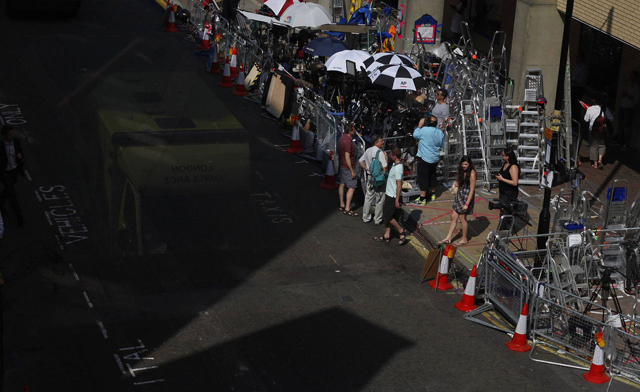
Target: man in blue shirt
x=430 y=141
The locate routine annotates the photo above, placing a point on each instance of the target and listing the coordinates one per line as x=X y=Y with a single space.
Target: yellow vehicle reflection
x=164 y=137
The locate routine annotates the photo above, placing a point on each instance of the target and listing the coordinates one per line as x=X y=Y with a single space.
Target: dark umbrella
x=398 y=77
x=326 y=46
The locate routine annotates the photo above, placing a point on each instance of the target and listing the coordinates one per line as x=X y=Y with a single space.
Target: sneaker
x=418 y=200
x=433 y=197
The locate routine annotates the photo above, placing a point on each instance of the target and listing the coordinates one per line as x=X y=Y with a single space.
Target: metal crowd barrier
x=197 y=15
x=624 y=349
x=326 y=126
x=562 y=327
x=506 y=284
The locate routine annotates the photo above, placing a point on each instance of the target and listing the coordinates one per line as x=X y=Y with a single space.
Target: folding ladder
x=561 y=274
x=494 y=131
x=473 y=141
x=531 y=129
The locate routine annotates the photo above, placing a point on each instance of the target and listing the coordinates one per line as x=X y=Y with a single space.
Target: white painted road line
x=120 y=365
x=86 y=296
x=526 y=194
x=132 y=370
x=26 y=174
x=149 y=382
x=38 y=196
x=102 y=329
x=75 y=274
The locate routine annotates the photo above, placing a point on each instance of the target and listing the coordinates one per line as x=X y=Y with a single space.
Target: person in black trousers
x=12 y=161
x=508 y=177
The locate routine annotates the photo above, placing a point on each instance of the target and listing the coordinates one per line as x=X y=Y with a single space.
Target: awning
x=346 y=28
x=260 y=18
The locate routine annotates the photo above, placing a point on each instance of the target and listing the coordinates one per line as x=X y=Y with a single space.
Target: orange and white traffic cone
x=171 y=25
x=215 y=69
x=468 y=301
x=226 y=76
x=441 y=282
x=330 y=177
x=240 y=90
x=597 y=373
x=519 y=341
x=205 y=43
x=294 y=145
x=234 y=63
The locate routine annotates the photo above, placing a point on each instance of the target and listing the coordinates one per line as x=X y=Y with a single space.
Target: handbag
x=454 y=188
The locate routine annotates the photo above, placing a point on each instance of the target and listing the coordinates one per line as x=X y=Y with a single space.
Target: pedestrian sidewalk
x=432 y=221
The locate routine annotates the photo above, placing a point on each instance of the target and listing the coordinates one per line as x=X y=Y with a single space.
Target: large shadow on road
x=332 y=350
x=187 y=197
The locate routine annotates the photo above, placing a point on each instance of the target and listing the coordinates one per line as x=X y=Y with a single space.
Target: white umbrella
x=338 y=62
x=305 y=15
x=380 y=59
x=398 y=77
x=278 y=5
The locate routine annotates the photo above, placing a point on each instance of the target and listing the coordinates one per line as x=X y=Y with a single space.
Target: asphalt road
x=207 y=260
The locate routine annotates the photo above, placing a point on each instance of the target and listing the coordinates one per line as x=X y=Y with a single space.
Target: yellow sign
x=548 y=134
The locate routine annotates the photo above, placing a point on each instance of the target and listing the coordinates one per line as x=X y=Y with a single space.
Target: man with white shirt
x=11 y=161
x=441 y=108
x=595 y=117
x=374 y=194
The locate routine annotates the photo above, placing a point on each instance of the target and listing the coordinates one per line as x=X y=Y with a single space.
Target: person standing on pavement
x=374 y=194
x=347 y=177
x=595 y=117
x=459 y=7
x=628 y=105
x=508 y=177
x=464 y=201
x=391 y=211
x=12 y=161
x=441 y=108
x=430 y=141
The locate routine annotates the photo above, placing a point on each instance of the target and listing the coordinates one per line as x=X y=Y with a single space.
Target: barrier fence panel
x=506 y=286
x=564 y=328
x=624 y=350
x=326 y=125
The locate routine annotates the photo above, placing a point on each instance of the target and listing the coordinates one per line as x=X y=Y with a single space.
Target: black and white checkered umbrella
x=398 y=77
x=380 y=59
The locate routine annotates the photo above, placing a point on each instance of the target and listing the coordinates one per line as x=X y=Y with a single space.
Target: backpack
x=598 y=123
x=378 y=175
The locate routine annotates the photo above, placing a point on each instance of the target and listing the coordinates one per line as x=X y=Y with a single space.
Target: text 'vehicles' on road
x=62 y=215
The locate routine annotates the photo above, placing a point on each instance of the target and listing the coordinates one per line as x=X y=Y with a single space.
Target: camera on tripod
x=515 y=207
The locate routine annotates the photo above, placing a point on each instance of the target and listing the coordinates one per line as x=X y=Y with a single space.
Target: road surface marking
x=75 y=274
x=102 y=329
x=149 y=382
x=86 y=296
x=120 y=365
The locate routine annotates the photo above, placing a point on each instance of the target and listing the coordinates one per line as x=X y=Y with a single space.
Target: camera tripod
x=605 y=289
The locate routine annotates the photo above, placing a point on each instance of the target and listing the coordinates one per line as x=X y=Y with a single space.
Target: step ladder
x=493 y=130
x=616 y=215
x=337 y=9
x=531 y=130
x=453 y=151
x=472 y=141
x=511 y=120
x=561 y=275
x=497 y=58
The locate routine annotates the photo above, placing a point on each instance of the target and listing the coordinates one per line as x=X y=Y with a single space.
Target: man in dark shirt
x=11 y=162
x=347 y=176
